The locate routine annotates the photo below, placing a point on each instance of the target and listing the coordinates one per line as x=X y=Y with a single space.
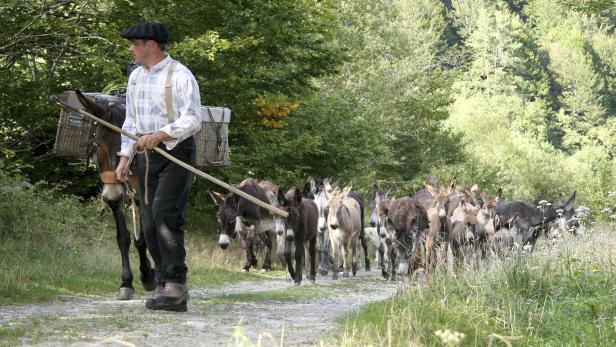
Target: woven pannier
x=212 y=139
x=73 y=129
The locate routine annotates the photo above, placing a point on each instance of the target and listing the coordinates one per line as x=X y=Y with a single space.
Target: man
x=168 y=185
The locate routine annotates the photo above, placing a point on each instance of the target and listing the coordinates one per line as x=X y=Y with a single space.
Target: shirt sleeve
x=129 y=122
x=188 y=113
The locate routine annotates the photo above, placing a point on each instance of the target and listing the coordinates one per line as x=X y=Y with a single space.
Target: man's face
x=141 y=50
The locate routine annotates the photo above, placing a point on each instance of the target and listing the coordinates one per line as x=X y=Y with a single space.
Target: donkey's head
x=226 y=217
x=290 y=202
x=406 y=216
x=105 y=143
x=321 y=198
x=376 y=195
x=563 y=212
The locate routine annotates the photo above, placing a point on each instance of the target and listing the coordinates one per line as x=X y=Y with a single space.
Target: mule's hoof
x=335 y=276
x=125 y=293
x=323 y=272
x=345 y=274
x=149 y=281
x=246 y=269
x=385 y=274
x=266 y=270
x=297 y=283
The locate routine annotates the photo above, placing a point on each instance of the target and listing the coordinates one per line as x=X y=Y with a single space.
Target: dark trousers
x=162 y=217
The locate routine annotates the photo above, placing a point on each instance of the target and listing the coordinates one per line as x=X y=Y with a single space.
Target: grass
x=51 y=245
x=558 y=295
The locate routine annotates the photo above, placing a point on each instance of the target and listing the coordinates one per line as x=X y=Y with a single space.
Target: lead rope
x=147 y=169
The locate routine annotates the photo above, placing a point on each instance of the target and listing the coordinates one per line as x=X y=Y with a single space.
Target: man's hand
x=148 y=142
x=121 y=172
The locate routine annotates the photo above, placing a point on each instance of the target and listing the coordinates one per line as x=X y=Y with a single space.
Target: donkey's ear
x=230 y=199
x=297 y=197
x=561 y=197
x=89 y=104
x=453 y=184
x=476 y=189
x=499 y=193
x=218 y=198
x=569 y=204
x=388 y=191
x=282 y=200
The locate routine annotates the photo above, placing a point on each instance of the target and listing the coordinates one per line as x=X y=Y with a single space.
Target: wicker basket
x=73 y=130
x=212 y=139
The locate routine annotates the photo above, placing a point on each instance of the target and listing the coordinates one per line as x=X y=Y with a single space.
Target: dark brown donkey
x=105 y=143
x=300 y=232
x=408 y=220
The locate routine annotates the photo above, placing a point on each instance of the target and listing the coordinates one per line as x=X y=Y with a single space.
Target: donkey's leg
x=311 y=253
x=288 y=256
x=382 y=259
x=252 y=236
x=364 y=244
x=299 y=258
x=344 y=250
x=126 y=290
x=324 y=250
x=355 y=255
x=247 y=253
x=391 y=247
x=336 y=252
x=267 y=240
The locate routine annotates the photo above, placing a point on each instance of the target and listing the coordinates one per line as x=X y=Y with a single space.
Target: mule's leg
x=267 y=240
x=324 y=250
x=392 y=260
x=148 y=276
x=126 y=290
x=364 y=245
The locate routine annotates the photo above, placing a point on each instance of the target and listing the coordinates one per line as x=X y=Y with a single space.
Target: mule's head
x=290 y=202
x=226 y=215
x=105 y=143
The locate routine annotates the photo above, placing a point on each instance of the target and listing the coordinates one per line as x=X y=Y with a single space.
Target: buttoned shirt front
x=146 y=107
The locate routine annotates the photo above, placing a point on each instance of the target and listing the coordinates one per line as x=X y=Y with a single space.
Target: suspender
x=168 y=90
x=168 y=93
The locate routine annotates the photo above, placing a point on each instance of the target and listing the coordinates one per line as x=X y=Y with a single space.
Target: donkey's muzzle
x=334 y=226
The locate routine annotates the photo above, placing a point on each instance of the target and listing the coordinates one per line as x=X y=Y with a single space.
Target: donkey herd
x=325 y=226
x=325 y=223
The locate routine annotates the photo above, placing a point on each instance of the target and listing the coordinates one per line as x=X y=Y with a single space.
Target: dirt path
x=271 y=309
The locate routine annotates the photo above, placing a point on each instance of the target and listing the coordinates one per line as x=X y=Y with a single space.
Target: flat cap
x=147 y=31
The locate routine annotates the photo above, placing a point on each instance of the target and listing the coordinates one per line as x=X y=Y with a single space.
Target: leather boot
x=173 y=297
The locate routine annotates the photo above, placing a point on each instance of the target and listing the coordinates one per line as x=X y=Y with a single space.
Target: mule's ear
x=335 y=184
x=348 y=188
x=218 y=198
x=569 y=204
x=387 y=192
x=88 y=104
x=476 y=189
x=297 y=197
x=282 y=200
x=499 y=193
x=561 y=197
